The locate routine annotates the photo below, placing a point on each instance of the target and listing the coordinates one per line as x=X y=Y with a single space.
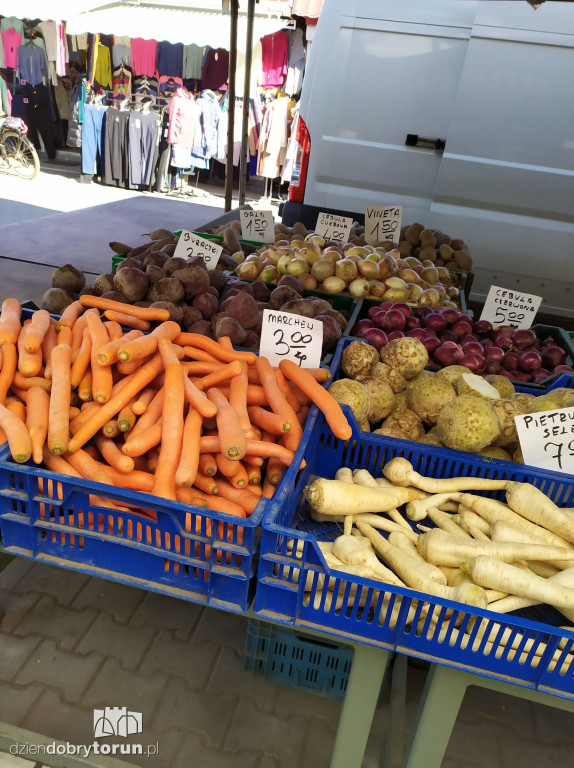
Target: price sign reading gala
x=291 y=337
x=258 y=226
x=547 y=439
x=333 y=227
x=190 y=245
x=504 y=307
x=383 y=224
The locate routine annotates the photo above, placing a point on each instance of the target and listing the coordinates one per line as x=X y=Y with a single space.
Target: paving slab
x=14 y=653
x=126 y=644
x=53 y=620
x=119 y=600
x=60 y=584
x=162 y=611
x=192 y=663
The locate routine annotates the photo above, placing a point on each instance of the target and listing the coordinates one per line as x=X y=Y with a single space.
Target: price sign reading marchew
x=547 y=439
x=193 y=245
x=258 y=226
x=504 y=307
x=291 y=337
x=332 y=227
x=383 y=223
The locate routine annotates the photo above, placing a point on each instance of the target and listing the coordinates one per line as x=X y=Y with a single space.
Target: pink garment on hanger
x=184 y=122
x=274 y=49
x=11 y=40
x=143 y=55
x=61 y=51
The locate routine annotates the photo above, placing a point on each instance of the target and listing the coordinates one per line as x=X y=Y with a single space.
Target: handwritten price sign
x=291 y=337
x=504 y=307
x=258 y=226
x=383 y=224
x=190 y=245
x=332 y=227
x=547 y=439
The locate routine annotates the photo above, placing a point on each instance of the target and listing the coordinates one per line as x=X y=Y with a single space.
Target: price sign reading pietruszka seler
x=190 y=245
x=333 y=227
x=258 y=226
x=291 y=337
x=383 y=224
x=547 y=439
x=505 y=307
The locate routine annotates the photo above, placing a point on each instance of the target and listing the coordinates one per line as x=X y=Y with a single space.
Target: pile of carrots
x=160 y=411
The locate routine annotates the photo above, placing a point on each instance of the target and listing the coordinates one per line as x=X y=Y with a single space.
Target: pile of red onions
x=452 y=338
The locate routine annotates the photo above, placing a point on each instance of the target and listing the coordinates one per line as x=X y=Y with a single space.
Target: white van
x=461 y=111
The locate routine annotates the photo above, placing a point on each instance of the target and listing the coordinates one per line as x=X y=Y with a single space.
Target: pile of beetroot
x=452 y=337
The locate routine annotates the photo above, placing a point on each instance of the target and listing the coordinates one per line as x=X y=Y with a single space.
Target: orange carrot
x=243 y=497
x=238 y=398
x=137 y=445
x=111 y=429
x=151 y=458
x=38 y=406
x=205 y=483
x=64 y=336
x=226 y=466
x=284 y=387
x=18 y=408
x=274 y=470
x=188 y=467
x=202 y=368
x=200 y=355
x=172 y=422
x=268 y=489
x=29 y=363
x=198 y=400
x=70 y=315
x=89 y=468
x=129 y=322
x=240 y=479
x=148 y=344
x=136 y=480
x=268 y=420
x=10 y=321
x=19 y=440
x=132 y=365
x=213 y=348
x=206 y=463
x=228 y=371
x=59 y=412
x=277 y=400
x=331 y=409
x=78 y=331
x=254 y=448
x=108 y=354
x=86 y=411
x=140 y=379
x=9 y=363
x=231 y=436
x=102 y=379
x=151 y=415
x=142 y=401
x=302 y=414
x=27 y=382
x=299 y=396
x=142 y=313
x=253 y=472
x=197 y=497
x=82 y=360
x=85 y=386
x=50 y=340
x=114 y=330
x=126 y=417
x=225 y=342
x=112 y=454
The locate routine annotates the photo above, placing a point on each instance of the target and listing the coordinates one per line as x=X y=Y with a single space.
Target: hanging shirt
x=120 y=54
x=183 y=119
x=103 y=71
x=122 y=81
x=2 y=62
x=216 y=70
x=168 y=85
x=274 y=49
x=192 y=58
x=122 y=40
x=143 y=54
x=11 y=22
x=206 y=141
x=145 y=85
x=32 y=65
x=12 y=40
x=295 y=62
x=170 y=58
x=39 y=43
x=49 y=31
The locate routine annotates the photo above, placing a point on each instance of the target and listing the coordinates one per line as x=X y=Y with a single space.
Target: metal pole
x=234 y=13
x=246 y=90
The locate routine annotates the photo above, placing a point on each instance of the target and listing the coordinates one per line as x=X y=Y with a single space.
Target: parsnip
x=400 y=472
x=417 y=509
x=506 y=532
x=515 y=603
x=529 y=502
x=335 y=497
x=446 y=523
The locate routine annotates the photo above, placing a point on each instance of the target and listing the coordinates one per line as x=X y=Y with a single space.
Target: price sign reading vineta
x=333 y=227
x=547 y=439
x=258 y=226
x=291 y=337
x=504 y=307
x=190 y=245
x=383 y=224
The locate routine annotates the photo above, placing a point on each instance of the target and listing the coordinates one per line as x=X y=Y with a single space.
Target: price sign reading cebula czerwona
x=291 y=337
x=258 y=226
x=190 y=245
x=383 y=223
x=504 y=307
x=333 y=227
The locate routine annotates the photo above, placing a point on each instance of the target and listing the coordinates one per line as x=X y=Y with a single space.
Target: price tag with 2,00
x=505 y=307
x=190 y=245
x=258 y=226
x=547 y=439
x=333 y=227
x=383 y=223
x=285 y=336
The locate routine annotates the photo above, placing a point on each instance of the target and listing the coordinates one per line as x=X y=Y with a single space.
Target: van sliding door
x=506 y=180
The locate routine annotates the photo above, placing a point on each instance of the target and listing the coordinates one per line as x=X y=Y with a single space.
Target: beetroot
x=206 y=303
x=201 y=326
x=331 y=333
x=243 y=308
x=260 y=291
x=217 y=278
x=229 y=326
x=252 y=340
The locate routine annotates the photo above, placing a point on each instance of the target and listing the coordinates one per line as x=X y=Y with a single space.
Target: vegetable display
x=167 y=413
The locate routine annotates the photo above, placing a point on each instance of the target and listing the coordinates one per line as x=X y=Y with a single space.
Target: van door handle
x=414 y=140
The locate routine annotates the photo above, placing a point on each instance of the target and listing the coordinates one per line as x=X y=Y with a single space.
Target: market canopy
x=48 y=10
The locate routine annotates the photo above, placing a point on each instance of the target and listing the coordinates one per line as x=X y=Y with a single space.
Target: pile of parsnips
x=479 y=551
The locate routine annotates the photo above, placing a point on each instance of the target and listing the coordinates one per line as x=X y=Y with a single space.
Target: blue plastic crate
x=296 y=660
x=382 y=615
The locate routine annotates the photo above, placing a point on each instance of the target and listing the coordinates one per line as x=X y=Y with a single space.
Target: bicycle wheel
x=20 y=154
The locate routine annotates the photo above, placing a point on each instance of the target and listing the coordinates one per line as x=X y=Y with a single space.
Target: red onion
x=431 y=343
x=549 y=342
x=506 y=374
x=465 y=318
x=376 y=337
x=494 y=354
x=468 y=337
x=521 y=376
x=472 y=362
x=396 y=335
x=461 y=328
x=501 y=340
x=482 y=328
x=386 y=305
x=379 y=319
x=373 y=312
x=435 y=322
x=552 y=356
x=510 y=361
x=448 y=335
x=362 y=326
x=412 y=322
x=529 y=361
x=523 y=339
x=539 y=378
x=424 y=310
x=506 y=330
x=563 y=369
x=394 y=320
x=448 y=353
x=472 y=348
x=418 y=333
x=450 y=314
x=404 y=308
x=493 y=367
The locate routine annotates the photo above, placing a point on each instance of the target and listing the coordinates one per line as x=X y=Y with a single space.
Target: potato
x=166 y=289
x=132 y=282
x=104 y=284
x=68 y=278
x=192 y=279
x=55 y=300
x=175 y=311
